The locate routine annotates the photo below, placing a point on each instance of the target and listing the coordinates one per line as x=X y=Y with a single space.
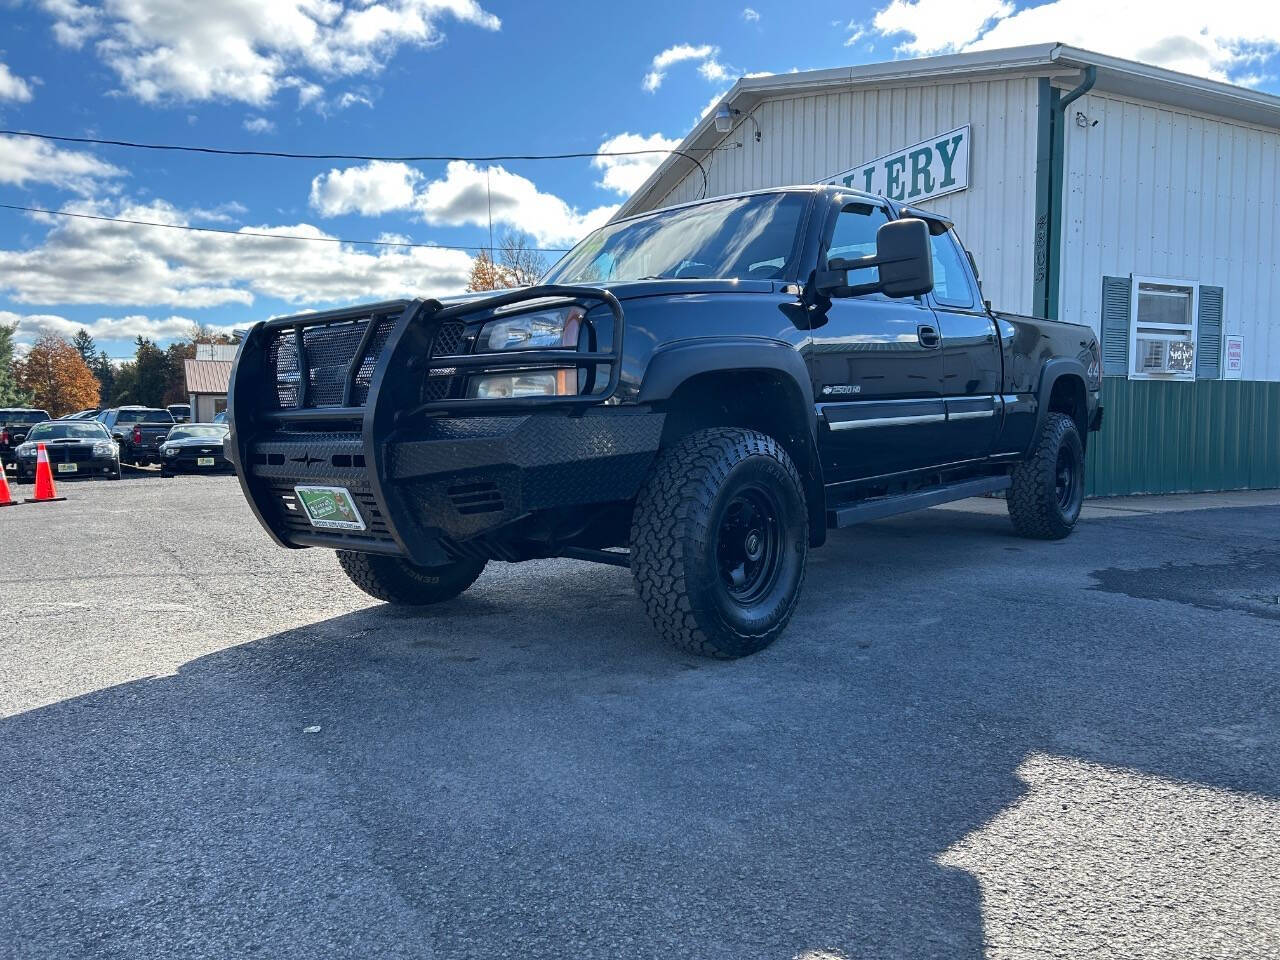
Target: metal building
x=1143 y=202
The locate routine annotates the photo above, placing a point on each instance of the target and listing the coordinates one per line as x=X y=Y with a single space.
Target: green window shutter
x=1115 y=326
x=1209 y=334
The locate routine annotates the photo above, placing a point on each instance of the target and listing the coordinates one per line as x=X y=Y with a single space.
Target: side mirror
x=903 y=257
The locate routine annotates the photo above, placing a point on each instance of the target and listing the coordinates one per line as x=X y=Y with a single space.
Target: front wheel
x=394 y=580
x=719 y=542
x=1048 y=489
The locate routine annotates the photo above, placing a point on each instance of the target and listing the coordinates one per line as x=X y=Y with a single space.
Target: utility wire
x=270 y=236
x=423 y=158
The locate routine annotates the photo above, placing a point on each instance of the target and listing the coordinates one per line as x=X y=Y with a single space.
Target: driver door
x=876 y=366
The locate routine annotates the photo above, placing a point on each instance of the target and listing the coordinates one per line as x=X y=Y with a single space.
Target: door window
x=855 y=236
x=950 y=273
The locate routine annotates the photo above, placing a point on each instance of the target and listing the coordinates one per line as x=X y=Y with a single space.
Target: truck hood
x=635 y=289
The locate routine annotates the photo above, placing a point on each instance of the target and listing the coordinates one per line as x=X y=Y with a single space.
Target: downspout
x=1057 y=188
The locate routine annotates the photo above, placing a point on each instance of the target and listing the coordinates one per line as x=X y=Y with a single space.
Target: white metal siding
x=1158 y=192
x=811 y=138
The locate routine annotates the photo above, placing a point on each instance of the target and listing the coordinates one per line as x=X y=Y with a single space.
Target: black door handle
x=928 y=336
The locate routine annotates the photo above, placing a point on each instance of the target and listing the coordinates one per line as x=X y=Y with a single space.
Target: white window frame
x=1136 y=283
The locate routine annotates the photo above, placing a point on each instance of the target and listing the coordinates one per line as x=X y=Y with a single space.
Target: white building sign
x=1233 y=358
x=930 y=168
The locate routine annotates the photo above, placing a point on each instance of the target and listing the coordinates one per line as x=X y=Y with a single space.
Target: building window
x=1163 y=329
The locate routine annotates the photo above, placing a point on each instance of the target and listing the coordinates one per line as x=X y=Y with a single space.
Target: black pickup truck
x=14 y=424
x=710 y=387
x=138 y=431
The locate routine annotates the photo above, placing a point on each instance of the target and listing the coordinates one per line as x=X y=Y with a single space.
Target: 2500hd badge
x=698 y=393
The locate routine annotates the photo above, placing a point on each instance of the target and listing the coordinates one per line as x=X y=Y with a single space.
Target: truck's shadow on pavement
x=543 y=779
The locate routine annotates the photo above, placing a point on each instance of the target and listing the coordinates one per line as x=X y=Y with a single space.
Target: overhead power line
x=420 y=158
x=268 y=236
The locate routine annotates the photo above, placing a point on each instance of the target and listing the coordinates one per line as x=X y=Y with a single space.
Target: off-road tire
x=1033 y=499
x=676 y=532
x=394 y=580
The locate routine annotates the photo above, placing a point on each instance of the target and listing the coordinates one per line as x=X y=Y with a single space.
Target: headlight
x=169 y=451
x=529 y=331
x=104 y=448
x=27 y=450
x=544 y=383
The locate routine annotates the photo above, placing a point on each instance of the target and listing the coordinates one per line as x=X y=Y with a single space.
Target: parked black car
x=138 y=431
x=194 y=448
x=76 y=448
x=712 y=386
x=14 y=424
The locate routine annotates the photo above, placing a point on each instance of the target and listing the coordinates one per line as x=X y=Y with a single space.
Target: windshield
x=145 y=416
x=744 y=238
x=185 y=433
x=68 y=430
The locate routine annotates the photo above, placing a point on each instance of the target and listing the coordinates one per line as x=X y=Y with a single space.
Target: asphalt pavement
x=967 y=745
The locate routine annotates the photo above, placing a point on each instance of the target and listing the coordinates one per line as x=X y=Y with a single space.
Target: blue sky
x=411 y=77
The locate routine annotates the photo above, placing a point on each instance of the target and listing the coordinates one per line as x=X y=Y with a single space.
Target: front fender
x=676 y=363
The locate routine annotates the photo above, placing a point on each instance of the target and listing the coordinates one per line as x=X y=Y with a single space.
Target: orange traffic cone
x=6 y=500
x=45 y=491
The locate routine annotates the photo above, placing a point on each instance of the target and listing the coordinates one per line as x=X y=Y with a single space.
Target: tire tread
x=675 y=506
x=1030 y=507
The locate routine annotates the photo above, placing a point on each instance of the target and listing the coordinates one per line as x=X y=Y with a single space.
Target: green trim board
x=1185 y=437
x=1044 y=213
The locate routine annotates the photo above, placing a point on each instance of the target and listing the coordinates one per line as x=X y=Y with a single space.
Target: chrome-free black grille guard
x=393 y=395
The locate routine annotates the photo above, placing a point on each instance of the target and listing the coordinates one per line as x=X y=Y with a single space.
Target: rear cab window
x=145 y=416
x=952 y=286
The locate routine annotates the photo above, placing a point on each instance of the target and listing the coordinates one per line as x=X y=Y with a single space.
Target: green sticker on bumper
x=331 y=508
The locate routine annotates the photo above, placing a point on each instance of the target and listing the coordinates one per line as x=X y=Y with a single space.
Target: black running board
x=846 y=515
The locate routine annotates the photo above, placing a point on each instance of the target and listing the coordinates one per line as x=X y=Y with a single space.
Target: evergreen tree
x=11 y=395
x=106 y=374
x=85 y=346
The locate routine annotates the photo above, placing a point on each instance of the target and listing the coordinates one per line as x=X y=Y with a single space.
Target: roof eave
x=1115 y=75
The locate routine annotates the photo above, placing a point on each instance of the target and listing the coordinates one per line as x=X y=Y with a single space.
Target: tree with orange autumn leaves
x=56 y=377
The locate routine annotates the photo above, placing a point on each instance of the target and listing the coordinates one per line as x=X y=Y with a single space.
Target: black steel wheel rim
x=749 y=543
x=1066 y=478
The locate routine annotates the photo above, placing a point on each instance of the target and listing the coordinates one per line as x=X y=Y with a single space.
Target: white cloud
x=35 y=325
x=350 y=99
x=938 y=25
x=712 y=70
x=13 y=87
x=466 y=196
x=24 y=160
x=856 y=32
x=673 y=55
x=1222 y=41
x=89 y=261
x=750 y=15
x=247 y=50
x=371 y=189
x=624 y=175
x=258 y=125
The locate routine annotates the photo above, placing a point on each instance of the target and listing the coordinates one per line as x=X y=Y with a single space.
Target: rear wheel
x=719 y=541
x=1048 y=490
x=395 y=580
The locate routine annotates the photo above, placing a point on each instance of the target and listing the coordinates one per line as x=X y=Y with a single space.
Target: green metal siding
x=1178 y=437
